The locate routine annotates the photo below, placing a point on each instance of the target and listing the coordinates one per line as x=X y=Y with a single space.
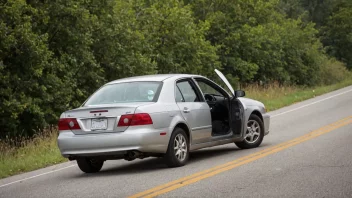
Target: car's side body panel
x=197 y=115
x=177 y=120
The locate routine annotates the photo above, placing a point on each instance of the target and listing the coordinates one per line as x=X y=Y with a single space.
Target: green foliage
x=338 y=33
x=28 y=85
x=333 y=71
x=178 y=43
x=258 y=43
x=333 y=20
x=275 y=96
x=37 y=152
x=316 y=11
x=120 y=45
x=55 y=53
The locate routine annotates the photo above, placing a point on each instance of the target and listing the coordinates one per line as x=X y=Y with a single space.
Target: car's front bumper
x=266 y=120
x=143 y=139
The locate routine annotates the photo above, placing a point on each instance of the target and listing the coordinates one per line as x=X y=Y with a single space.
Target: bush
x=333 y=71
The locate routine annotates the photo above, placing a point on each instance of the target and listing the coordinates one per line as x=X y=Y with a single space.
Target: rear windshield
x=125 y=93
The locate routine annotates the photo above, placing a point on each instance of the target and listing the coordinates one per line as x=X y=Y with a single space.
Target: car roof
x=155 y=77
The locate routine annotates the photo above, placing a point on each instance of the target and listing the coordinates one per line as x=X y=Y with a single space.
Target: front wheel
x=178 y=152
x=254 y=134
x=89 y=165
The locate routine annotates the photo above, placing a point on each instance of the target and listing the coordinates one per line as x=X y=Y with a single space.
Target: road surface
x=308 y=153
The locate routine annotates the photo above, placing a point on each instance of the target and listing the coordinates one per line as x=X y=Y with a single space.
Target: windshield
x=125 y=93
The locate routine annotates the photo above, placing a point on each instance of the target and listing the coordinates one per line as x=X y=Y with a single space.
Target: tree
x=337 y=34
x=28 y=81
x=120 y=46
x=178 y=44
x=258 y=43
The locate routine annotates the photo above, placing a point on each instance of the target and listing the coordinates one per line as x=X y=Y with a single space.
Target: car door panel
x=195 y=111
x=198 y=117
x=236 y=109
x=237 y=117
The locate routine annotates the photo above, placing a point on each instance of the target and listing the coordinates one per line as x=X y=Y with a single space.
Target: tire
x=89 y=165
x=255 y=134
x=172 y=159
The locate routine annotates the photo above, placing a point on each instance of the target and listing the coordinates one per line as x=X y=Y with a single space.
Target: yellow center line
x=158 y=190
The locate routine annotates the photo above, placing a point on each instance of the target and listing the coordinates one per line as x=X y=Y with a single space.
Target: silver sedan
x=165 y=115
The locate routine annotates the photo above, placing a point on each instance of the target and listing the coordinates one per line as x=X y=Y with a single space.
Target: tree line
x=55 y=53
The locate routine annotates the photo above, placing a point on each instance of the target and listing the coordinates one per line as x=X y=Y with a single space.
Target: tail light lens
x=125 y=120
x=68 y=124
x=141 y=119
x=135 y=119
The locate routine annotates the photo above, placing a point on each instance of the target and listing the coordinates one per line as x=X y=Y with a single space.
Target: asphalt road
x=313 y=159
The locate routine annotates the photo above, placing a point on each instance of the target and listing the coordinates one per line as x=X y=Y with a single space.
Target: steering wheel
x=209 y=97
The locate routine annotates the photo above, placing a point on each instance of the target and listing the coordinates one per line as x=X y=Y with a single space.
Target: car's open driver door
x=236 y=108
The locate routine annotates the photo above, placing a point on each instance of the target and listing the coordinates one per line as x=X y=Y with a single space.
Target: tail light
x=135 y=119
x=68 y=124
x=125 y=120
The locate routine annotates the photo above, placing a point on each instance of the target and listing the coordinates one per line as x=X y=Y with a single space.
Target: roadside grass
x=275 y=97
x=42 y=150
x=38 y=152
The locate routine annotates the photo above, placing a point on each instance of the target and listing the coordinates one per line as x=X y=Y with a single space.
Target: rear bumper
x=141 y=139
x=266 y=120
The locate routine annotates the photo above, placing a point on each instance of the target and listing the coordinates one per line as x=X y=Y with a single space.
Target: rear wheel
x=90 y=165
x=254 y=134
x=178 y=152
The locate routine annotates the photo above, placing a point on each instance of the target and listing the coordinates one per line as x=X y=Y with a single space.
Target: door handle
x=186 y=110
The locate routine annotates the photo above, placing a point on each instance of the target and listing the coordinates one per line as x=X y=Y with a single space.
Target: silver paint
x=166 y=115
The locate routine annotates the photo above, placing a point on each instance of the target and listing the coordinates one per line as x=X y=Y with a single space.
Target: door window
x=186 y=92
x=208 y=89
x=179 y=97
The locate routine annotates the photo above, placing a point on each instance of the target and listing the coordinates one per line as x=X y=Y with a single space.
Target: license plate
x=99 y=124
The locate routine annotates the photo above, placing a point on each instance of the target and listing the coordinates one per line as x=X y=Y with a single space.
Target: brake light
x=135 y=119
x=141 y=119
x=125 y=120
x=68 y=124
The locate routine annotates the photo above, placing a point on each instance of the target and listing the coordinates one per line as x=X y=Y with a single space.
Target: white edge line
x=270 y=116
x=36 y=176
x=310 y=104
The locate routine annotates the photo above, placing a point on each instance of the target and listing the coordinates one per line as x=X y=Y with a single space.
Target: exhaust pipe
x=132 y=155
x=71 y=158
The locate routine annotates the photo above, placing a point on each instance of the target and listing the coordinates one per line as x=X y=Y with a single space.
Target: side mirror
x=239 y=93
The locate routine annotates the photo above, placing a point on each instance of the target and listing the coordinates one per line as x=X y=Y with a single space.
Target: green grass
x=42 y=150
x=275 y=97
x=39 y=152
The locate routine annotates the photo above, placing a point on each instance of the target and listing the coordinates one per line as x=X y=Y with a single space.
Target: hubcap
x=253 y=132
x=180 y=147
